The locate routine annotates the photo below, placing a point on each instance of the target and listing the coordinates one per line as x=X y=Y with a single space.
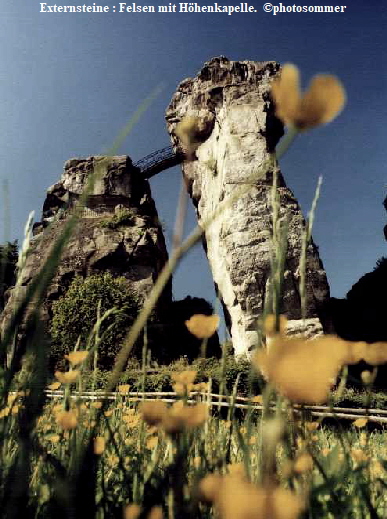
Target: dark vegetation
x=8 y=261
x=158 y=377
x=75 y=314
x=361 y=316
x=177 y=340
x=123 y=218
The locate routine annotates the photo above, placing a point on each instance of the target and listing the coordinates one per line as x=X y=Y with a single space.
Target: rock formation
x=119 y=232
x=236 y=138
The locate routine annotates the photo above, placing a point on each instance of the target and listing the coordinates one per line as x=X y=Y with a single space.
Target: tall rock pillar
x=238 y=135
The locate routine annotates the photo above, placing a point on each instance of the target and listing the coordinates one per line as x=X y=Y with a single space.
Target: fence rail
x=215 y=400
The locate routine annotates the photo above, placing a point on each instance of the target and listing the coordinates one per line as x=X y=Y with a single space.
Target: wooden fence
x=239 y=402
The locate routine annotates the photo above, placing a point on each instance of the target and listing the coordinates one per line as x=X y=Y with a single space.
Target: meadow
x=182 y=452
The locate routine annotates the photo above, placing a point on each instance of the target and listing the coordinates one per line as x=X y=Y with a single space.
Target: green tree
x=76 y=312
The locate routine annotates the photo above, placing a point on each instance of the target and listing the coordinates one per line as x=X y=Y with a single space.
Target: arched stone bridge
x=158 y=161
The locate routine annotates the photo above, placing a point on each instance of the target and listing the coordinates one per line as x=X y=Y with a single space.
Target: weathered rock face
x=241 y=131
x=119 y=232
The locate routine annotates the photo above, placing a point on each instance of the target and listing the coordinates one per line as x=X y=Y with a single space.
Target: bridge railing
x=158 y=161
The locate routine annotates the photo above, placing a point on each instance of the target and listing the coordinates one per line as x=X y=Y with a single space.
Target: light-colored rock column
x=238 y=134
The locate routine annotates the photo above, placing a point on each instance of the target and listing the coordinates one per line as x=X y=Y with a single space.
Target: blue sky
x=70 y=82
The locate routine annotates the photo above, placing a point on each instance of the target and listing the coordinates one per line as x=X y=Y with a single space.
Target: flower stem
x=286 y=141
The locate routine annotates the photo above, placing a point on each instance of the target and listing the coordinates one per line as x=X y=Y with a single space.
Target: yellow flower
x=132 y=511
x=180 y=418
x=183 y=381
x=359 y=455
x=303 y=463
x=99 y=445
x=209 y=487
x=235 y=498
x=67 y=420
x=156 y=512
x=360 y=422
x=112 y=460
x=188 y=131
x=363 y=440
x=197 y=461
x=176 y=418
x=368 y=377
x=184 y=377
x=312 y=426
x=11 y=398
x=153 y=412
x=131 y=420
x=203 y=326
x=77 y=357
x=54 y=438
x=54 y=385
x=196 y=415
x=180 y=389
x=57 y=408
x=321 y=103
x=96 y=405
x=201 y=386
x=376 y=353
x=237 y=470
x=123 y=389
x=67 y=378
x=152 y=442
x=270 y=325
x=302 y=370
x=356 y=352
x=376 y=469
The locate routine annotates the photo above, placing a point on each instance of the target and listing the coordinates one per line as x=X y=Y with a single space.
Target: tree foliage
x=75 y=314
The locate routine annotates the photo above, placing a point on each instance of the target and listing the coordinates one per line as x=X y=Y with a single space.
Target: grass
x=134 y=459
